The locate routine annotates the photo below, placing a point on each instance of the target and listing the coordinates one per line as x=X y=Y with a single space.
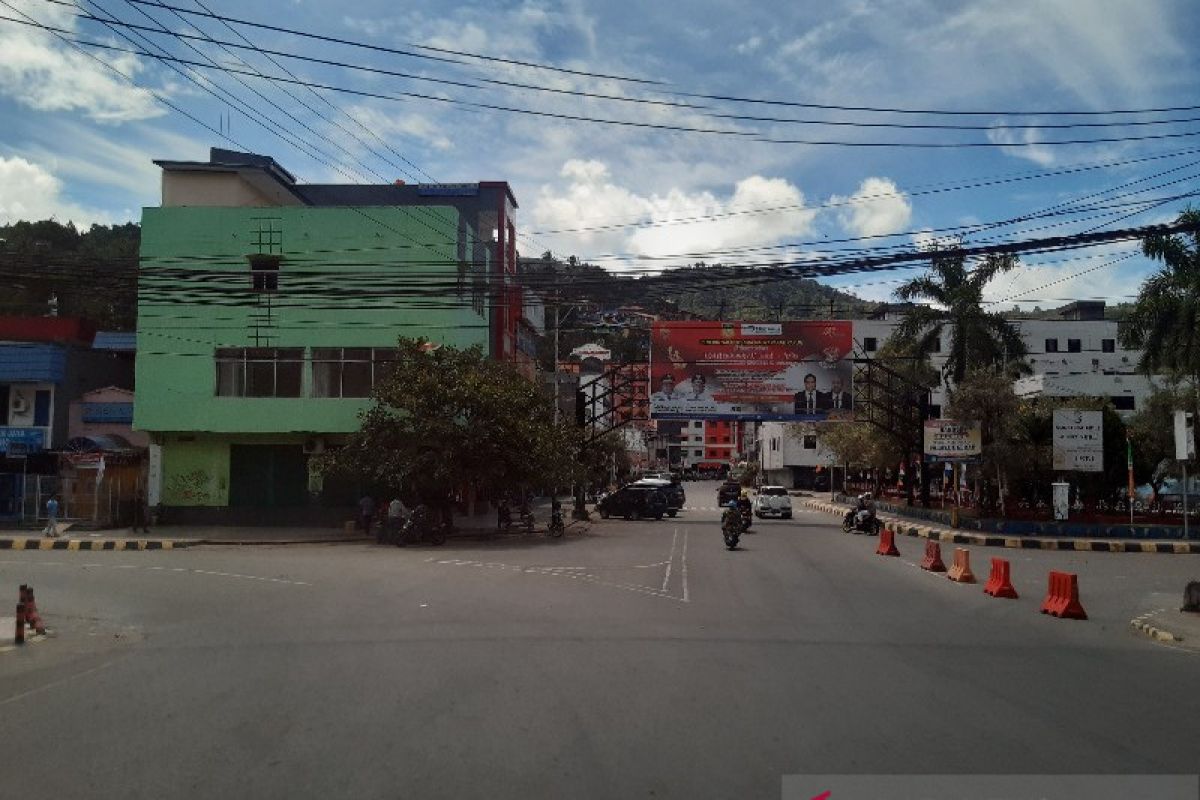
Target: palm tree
x=954 y=296
x=1165 y=320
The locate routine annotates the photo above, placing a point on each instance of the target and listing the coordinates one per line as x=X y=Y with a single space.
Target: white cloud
x=42 y=72
x=30 y=192
x=673 y=222
x=750 y=45
x=876 y=209
x=394 y=121
x=1039 y=154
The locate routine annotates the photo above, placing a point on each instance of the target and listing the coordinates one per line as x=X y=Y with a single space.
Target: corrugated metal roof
x=115 y=340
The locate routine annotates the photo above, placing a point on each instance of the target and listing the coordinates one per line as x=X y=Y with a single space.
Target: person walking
x=366 y=513
x=52 y=516
x=141 y=514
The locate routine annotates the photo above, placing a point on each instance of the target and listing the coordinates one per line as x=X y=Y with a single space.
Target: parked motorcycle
x=868 y=524
x=527 y=519
x=556 y=528
x=422 y=527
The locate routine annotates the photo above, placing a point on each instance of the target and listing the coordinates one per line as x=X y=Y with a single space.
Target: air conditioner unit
x=20 y=403
x=313 y=446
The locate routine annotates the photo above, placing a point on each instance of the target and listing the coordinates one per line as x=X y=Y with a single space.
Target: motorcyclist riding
x=746 y=509
x=731 y=524
x=865 y=510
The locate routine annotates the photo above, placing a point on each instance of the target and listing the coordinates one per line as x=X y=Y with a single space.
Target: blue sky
x=76 y=141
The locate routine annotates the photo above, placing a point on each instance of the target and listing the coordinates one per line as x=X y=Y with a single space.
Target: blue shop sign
x=34 y=439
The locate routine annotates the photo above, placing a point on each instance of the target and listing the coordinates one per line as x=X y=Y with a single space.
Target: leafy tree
x=450 y=420
x=988 y=398
x=1165 y=320
x=1152 y=430
x=954 y=293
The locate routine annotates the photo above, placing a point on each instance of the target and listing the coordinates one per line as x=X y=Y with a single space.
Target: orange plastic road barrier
x=933 y=557
x=999 y=584
x=960 y=570
x=1062 y=597
x=887 y=543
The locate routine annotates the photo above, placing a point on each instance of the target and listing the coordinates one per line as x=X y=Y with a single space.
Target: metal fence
x=105 y=503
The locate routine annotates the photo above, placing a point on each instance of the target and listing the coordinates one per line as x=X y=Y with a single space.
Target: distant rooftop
x=332 y=194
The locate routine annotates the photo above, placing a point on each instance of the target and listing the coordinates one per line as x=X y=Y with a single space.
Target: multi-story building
x=47 y=364
x=1075 y=354
x=268 y=309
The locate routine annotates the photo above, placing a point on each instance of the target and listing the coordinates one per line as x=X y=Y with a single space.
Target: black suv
x=633 y=502
x=730 y=490
x=674 y=493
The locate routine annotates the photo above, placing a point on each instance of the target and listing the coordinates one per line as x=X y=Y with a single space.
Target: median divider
x=887 y=542
x=1062 y=597
x=960 y=570
x=999 y=583
x=933 y=557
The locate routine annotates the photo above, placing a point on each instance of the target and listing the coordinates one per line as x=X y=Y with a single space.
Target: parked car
x=634 y=502
x=730 y=490
x=773 y=501
x=674 y=492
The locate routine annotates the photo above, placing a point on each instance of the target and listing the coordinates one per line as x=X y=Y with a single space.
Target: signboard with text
x=1078 y=440
x=33 y=439
x=952 y=440
x=752 y=371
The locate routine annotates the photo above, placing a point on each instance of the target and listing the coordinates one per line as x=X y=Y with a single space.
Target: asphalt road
x=637 y=660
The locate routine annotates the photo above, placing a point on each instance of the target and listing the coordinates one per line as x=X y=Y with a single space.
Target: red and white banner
x=752 y=371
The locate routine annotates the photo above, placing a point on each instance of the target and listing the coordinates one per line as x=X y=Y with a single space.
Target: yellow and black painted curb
x=47 y=543
x=907 y=528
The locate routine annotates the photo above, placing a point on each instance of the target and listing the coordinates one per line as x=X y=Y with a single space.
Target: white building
x=1077 y=354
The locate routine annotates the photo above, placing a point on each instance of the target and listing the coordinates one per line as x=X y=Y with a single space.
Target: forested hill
x=700 y=290
x=90 y=273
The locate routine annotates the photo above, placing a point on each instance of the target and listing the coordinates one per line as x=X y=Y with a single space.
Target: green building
x=267 y=309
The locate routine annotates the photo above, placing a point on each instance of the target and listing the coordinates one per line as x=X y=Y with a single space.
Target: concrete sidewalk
x=169 y=537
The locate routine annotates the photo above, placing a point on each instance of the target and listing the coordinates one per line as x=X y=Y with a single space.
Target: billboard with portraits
x=792 y=371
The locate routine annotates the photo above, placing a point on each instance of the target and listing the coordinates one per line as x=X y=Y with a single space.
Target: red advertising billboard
x=752 y=370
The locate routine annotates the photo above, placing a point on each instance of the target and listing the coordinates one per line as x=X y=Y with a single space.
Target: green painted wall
x=323 y=249
x=195 y=473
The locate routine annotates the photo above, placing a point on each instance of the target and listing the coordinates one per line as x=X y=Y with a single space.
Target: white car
x=772 y=501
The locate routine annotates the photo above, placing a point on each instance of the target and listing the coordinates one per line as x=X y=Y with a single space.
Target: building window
x=1124 y=403
x=350 y=371
x=810 y=441
x=699 y=453
x=937 y=345
x=935 y=411
x=697 y=424
x=1108 y=345
x=870 y=344
x=1074 y=345
x=264 y=272
x=1052 y=345
x=259 y=371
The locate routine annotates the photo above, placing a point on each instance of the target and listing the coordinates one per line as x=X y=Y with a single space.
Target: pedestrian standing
x=397 y=513
x=141 y=514
x=52 y=516
x=366 y=513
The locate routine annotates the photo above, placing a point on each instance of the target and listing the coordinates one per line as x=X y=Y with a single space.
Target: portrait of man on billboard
x=809 y=400
x=666 y=389
x=838 y=398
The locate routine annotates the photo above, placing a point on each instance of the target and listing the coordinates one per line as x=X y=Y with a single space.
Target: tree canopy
x=954 y=295
x=448 y=420
x=1165 y=320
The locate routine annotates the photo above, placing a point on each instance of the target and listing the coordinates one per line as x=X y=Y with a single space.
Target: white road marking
x=163 y=569
x=670 y=560
x=61 y=681
x=683 y=567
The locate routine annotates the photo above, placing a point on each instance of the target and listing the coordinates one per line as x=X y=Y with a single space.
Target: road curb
x=91 y=545
x=1153 y=631
x=1021 y=542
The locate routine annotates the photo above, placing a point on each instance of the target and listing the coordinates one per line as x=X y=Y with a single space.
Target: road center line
x=683 y=566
